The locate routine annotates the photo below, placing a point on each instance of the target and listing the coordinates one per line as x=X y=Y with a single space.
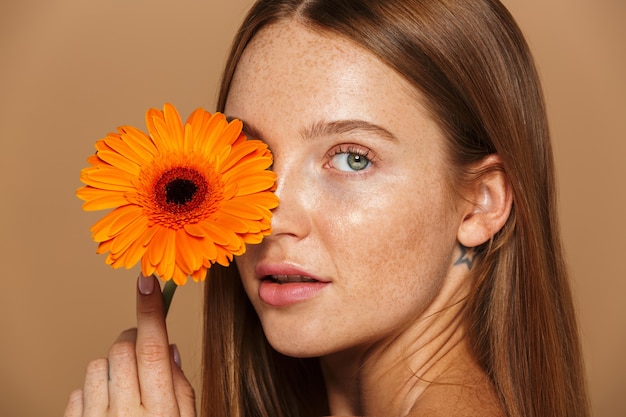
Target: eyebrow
x=340 y=127
x=323 y=128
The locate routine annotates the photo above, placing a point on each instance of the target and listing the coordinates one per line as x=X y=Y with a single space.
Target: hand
x=142 y=375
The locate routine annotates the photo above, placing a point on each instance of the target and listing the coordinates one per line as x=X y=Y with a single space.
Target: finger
x=123 y=381
x=95 y=390
x=74 y=407
x=185 y=395
x=153 y=355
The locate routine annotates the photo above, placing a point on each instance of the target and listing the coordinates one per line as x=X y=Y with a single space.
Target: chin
x=297 y=349
x=299 y=345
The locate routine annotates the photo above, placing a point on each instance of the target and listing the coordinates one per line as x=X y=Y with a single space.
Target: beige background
x=72 y=70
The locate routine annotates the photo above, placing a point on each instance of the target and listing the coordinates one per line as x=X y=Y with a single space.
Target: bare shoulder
x=476 y=397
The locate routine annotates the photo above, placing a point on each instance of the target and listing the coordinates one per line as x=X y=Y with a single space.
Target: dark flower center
x=180 y=191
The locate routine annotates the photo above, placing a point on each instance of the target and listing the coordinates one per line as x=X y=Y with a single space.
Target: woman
x=414 y=266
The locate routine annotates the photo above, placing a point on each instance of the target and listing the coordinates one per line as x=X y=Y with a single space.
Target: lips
x=284 y=285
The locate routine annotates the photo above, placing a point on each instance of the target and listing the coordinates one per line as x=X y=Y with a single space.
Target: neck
x=389 y=377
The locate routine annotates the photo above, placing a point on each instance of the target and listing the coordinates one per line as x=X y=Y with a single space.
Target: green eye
x=350 y=161
x=357 y=162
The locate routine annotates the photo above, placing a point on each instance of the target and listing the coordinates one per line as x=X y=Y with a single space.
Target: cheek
x=400 y=244
x=390 y=217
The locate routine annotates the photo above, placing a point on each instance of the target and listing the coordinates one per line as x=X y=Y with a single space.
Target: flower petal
x=214 y=233
x=125 y=216
x=166 y=128
x=174 y=125
x=105 y=200
x=110 y=177
x=101 y=230
x=231 y=133
x=224 y=258
x=253 y=185
x=242 y=211
x=248 y=167
x=166 y=266
x=250 y=147
x=121 y=146
x=147 y=268
x=210 y=132
x=208 y=248
x=194 y=229
x=119 y=161
x=139 y=142
x=125 y=238
x=155 y=251
x=199 y=275
x=179 y=276
x=235 y=224
x=186 y=258
x=133 y=253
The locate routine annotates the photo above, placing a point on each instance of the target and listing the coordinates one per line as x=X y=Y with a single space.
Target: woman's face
x=364 y=236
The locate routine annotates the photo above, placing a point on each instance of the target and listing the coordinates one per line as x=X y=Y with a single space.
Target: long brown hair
x=473 y=66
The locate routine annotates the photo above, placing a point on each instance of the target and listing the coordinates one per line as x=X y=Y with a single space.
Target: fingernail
x=176 y=355
x=146 y=284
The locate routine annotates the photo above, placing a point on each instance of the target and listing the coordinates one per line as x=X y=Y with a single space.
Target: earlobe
x=489 y=204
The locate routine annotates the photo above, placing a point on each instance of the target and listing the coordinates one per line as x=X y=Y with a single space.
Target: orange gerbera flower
x=183 y=197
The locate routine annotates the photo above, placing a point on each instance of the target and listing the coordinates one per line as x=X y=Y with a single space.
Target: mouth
x=288 y=286
x=285 y=273
x=289 y=279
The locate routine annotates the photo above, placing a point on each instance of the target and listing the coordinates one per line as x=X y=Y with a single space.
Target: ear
x=489 y=203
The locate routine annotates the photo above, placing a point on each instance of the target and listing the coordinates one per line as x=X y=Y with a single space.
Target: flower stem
x=168 y=293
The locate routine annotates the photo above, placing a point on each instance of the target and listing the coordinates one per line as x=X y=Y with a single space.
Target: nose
x=292 y=217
